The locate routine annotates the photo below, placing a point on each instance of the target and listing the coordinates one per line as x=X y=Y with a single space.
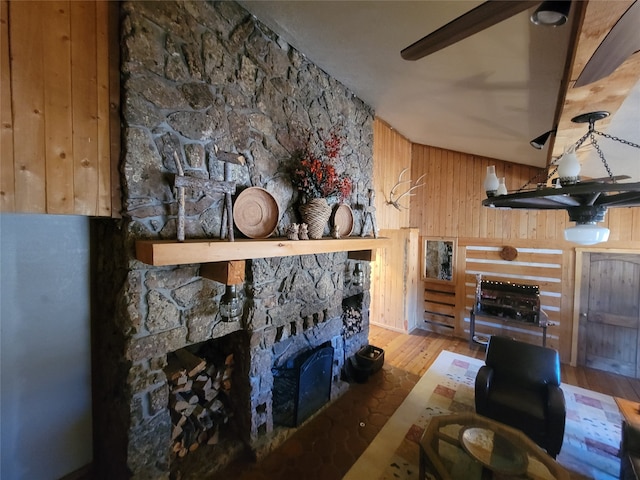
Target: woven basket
x=315 y=213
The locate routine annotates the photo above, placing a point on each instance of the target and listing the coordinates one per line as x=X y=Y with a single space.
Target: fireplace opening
x=302 y=386
x=205 y=398
x=352 y=317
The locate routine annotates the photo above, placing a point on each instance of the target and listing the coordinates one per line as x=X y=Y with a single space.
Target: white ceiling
x=487 y=95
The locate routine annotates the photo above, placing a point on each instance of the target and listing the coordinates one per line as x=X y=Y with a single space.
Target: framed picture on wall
x=438 y=259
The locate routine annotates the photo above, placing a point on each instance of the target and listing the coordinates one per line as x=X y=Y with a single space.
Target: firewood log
x=185 y=387
x=179 y=402
x=205 y=390
x=214 y=437
x=192 y=363
x=215 y=406
x=176 y=432
x=174 y=370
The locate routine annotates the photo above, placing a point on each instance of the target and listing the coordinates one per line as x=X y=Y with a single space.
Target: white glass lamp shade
x=491 y=181
x=502 y=188
x=569 y=167
x=586 y=234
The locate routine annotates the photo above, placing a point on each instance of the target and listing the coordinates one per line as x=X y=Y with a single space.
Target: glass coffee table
x=470 y=446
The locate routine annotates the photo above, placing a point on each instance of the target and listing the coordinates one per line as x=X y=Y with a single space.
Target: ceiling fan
x=622 y=41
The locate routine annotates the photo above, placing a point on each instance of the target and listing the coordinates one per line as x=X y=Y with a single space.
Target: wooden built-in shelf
x=171 y=252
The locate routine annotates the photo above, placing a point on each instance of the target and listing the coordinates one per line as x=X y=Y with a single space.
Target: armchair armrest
x=556 y=416
x=556 y=407
x=483 y=382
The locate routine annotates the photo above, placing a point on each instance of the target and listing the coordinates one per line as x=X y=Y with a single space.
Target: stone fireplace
x=200 y=76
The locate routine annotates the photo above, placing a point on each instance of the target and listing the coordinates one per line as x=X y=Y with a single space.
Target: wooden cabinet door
x=610 y=313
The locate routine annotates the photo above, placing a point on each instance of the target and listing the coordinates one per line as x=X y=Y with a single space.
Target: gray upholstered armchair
x=519 y=385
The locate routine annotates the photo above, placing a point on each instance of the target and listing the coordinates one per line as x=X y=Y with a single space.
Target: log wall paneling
x=59 y=93
x=545 y=267
x=391 y=154
x=395 y=282
x=7 y=177
x=58 y=122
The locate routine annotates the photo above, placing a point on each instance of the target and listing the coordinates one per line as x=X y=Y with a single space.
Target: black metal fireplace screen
x=302 y=386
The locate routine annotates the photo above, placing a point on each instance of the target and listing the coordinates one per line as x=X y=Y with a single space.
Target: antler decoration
x=396 y=202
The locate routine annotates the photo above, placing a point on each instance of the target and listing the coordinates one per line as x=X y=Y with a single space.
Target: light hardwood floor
x=416 y=352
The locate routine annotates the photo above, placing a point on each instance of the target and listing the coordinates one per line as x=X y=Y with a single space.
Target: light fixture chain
x=601 y=155
x=589 y=134
x=616 y=139
x=535 y=178
x=581 y=141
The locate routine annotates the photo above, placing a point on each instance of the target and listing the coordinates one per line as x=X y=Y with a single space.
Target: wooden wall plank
x=449 y=193
x=84 y=72
x=7 y=178
x=439 y=297
x=27 y=87
x=442 y=319
x=459 y=187
x=523 y=255
x=57 y=101
x=440 y=308
x=110 y=155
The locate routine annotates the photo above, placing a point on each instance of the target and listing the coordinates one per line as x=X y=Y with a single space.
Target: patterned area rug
x=592 y=433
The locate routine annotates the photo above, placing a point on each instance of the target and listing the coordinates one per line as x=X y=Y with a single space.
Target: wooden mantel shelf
x=171 y=252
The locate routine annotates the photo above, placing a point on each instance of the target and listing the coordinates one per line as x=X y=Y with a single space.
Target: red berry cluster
x=317 y=178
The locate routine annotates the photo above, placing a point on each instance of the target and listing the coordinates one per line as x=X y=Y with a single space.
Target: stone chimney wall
x=195 y=76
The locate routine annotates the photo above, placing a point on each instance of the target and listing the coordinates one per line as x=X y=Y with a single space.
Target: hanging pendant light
x=586 y=202
x=491 y=181
x=586 y=234
x=502 y=187
x=358 y=275
x=231 y=304
x=569 y=167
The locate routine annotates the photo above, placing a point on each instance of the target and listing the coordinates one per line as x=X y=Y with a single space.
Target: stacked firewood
x=351 y=321
x=197 y=399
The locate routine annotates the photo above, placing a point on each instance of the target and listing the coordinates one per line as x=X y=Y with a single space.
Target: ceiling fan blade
x=621 y=42
x=483 y=16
